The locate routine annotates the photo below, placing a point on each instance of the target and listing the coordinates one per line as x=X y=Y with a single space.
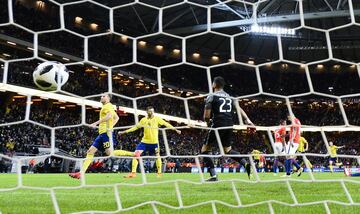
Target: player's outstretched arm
x=168 y=125
x=106 y=118
x=251 y=128
x=132 y=129
x=246 y=118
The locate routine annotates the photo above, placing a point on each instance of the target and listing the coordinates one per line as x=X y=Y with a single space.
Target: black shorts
x=226 y=136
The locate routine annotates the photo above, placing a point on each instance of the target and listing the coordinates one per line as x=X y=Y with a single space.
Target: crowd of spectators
x=26 y=138
x=84 y=81
x=76 y=140
x=48 y=113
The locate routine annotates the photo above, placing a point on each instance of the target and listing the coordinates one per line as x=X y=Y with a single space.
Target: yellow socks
x=134 y=165
x=158 y=165
x=123 y=153
x=331 y=168
x=87 y=162
x=135 y=161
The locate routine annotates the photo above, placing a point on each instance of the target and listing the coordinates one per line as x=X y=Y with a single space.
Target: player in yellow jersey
x=108 y=118
x=333 y=154
x=150 y=140
x=256 y=156
x=303 y=147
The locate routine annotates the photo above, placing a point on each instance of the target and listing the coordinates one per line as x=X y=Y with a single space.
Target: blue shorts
x=146 y=147
x=333 y=159
x=102 y=141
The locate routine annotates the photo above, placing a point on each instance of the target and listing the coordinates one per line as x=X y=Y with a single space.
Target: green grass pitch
x=102 y=198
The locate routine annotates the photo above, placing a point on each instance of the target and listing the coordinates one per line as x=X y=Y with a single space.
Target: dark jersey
x=222 y=108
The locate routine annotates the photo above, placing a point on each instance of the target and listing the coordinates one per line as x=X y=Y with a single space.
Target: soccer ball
x=49 y=75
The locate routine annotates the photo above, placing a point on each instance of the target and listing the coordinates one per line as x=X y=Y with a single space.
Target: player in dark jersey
x=219 y=112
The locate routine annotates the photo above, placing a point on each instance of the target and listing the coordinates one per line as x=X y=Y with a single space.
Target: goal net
x=277 y=57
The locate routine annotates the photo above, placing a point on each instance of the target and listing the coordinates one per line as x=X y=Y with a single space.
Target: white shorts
x=291 y=150
x=278 y=148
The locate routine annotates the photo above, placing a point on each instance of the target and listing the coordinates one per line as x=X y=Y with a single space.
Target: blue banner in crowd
x=234 y=170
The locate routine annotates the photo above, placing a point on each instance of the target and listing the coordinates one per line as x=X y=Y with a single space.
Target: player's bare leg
x=108 y=152
x=228 y=150
x=89 y=158
x=206 y=150
x=134 y=164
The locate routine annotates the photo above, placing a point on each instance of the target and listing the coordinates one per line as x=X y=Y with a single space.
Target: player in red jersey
x=279 y=145
x=292 y=145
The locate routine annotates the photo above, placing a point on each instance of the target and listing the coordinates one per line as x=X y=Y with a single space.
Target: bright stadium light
x=215 y=58
x=196 y=55
x=159 y=47
x=272 y=30
x=40 y=4
x=142 y=43
x=78 y=19
x=94 y=26
x=124 y=38
x=11 y=43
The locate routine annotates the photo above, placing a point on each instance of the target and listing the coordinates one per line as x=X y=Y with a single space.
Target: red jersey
x=280 y=134
x=295 y=127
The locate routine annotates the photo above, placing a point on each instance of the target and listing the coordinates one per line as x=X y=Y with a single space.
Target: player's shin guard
x=275 y=167
x=240 y=160
x=209 y=163
x=87 y=162
x=158 y=165
x=123 y=153
x=295 y=163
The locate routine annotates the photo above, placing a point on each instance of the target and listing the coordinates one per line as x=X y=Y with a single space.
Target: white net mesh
x=105 y=56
